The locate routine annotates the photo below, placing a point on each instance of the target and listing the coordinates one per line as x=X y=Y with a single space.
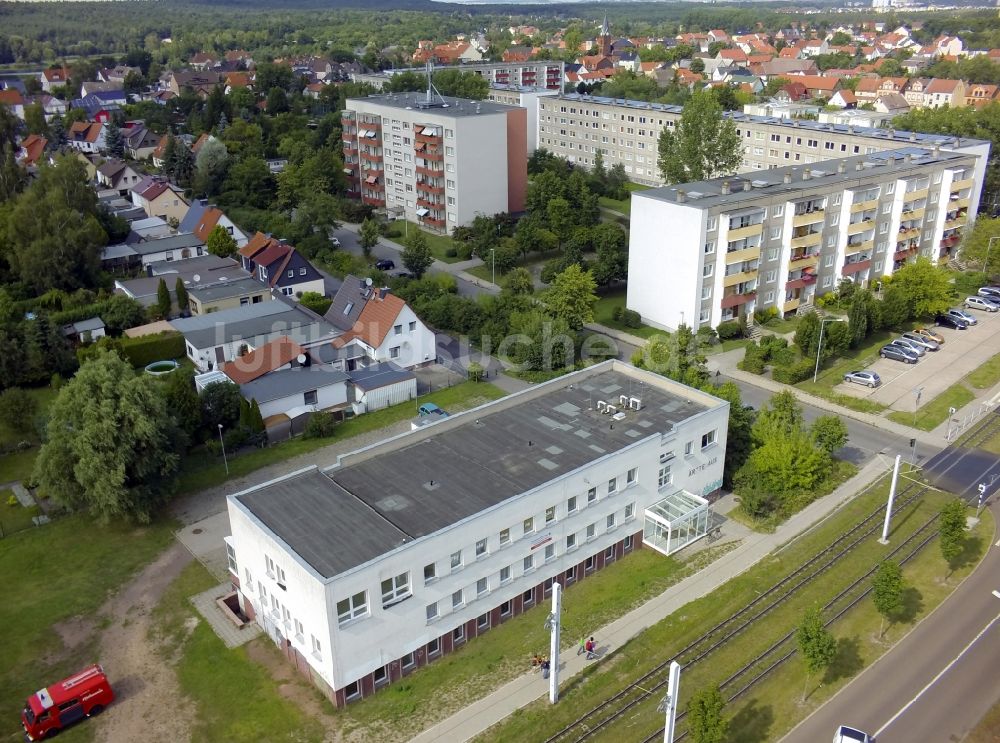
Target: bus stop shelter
x=675 y=521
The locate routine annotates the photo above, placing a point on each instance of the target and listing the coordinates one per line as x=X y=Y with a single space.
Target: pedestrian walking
x=591 y=648
x=546 y=665
x=582 y=648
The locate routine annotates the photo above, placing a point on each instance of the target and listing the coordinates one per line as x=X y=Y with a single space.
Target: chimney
x=788 y=178
x=806 y=174
x=725 y=187
x=681 y=196
x=937 y=150
x=907 y=158
x=841 y=167
x=859 y=165
x=746 y=185
x=956 y=142
x=892 y=133
x=913 y=136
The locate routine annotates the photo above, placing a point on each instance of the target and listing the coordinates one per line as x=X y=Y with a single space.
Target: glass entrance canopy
x=675 y=521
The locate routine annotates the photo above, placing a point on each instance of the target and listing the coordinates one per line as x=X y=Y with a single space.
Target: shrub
x=794 y=373
x=753 y=360
x=319 y=426
x=783 y=356
x=764 y=316
x=771 y=344
x=464 y=251
x=451 y=252
x=149 y=348
x=729 y=329
x=475 y=372
x=616 y=313
x=631 y=319
x=56 y=382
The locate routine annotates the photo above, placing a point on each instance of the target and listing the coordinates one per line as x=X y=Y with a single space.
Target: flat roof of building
x=901 y=136
x=226 y=289
x=439 y=105
x=858 y=171
x=426 y=480
x=286 y=382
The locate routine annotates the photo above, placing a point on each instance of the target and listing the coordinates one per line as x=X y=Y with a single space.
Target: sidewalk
x=520 y=692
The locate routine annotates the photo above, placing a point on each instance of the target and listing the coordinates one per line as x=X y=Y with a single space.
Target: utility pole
x=493 y=262
x=552 y=624
x=223 y=442
x=669 y=704
x=892 y=496
x=819 y=347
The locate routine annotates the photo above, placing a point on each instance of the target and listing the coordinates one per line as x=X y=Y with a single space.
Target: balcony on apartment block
x=350 y=146
x=349 y=135
x=347 y=117
x=793 y=299
x=430 y=156
x=961 y=185
x=429 y=172
x=809 y=212
x=951 y=239
x=426 y=133
x=372 y=199
x=372 y=156
x=734 y=296
x=800 y=279
x=429 y=187
x=914 y=213
x=803 y=258
x=862 y=222
x=856 y=264
x=804 y=237
x=905 y=253
x=430 y=204
x=917 y=193
x=433 y=222
x=907 y=233
x=740 y=274
x=863 y=206
x=372 y=182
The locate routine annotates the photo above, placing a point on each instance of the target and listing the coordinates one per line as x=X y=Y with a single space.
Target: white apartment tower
x=701 y=253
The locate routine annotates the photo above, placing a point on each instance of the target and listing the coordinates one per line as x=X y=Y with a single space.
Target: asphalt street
x=938 y=682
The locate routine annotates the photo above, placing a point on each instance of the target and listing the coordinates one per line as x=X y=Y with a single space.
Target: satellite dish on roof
x=196 y=278
x=368 y=281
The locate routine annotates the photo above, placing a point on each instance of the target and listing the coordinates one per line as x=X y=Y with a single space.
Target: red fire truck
x=49 y=710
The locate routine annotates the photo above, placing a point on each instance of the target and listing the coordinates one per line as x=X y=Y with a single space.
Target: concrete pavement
x=477 y=717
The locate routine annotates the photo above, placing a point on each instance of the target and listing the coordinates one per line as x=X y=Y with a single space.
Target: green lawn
x=438 y=244
x=14 y=518
x=200 y=469
x=64 y=569
x=236 y=698
x=604 y=315
x=504 y=652
x=622 y=206
x=663 y=639
x=781 y=326
x=485 y=273
x=727 y=345
x=935 y=412
x=18 y=465
x=986 y=375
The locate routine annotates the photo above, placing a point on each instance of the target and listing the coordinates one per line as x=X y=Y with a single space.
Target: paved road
x=938 y=682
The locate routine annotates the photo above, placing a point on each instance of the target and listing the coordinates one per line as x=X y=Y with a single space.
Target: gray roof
x=193 y=217
x=348 y=302
x=121 y=250
x=295 y=507
x=84 y=326
x=255 y=323
x=284 y=382
x=226 y=289
x=175 y=242
x=804 y=125
x=202 y=265
x=429 y=479
x=452 y=107
x=823 y=177
x=326 y=353
x=378 y=375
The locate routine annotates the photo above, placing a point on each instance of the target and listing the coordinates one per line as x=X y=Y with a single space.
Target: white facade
x=408 y=343
x=526 y=98
x=458 y=576
x=367 y=401
x=438 y=165
x=782 y=239
x=328 y=396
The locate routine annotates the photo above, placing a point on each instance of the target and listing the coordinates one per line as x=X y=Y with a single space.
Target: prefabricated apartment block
x=410 y=547
x=780 y=237
x=433 y=160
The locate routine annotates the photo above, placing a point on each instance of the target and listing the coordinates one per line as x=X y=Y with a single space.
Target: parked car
x=921 y=340
x=967 y=318
x=990 y=292
x=867 y=378
x=847 y=734
x=403 y=275
x=48 y=711
x=930 y=334
x=914 y=347
x=429 y=408
x=385 y=264
x=948 y=320
x=335 y=242
x=898 y=353
x=981 y=303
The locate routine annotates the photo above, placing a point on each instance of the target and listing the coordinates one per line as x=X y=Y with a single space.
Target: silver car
x=927 y=343
x=913 y=347
x=981 y=303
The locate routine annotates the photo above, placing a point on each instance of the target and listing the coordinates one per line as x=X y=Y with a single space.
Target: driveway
x=962 y=352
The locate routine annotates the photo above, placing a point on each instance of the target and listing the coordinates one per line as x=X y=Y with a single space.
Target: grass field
x=935 y=412
x=831 y=373
x=62 y=570
x=14 y=518
x=439 y=244
x=200 y=469
x=622 y=206
x=604 y=314
x=18 y=465
x=662 y=640
x=504 y=652
x=987 y=375
x=236 y=698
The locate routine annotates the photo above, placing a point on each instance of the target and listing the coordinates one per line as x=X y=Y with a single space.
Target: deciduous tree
x=111 y=443
x=951 y=531
x=829 y=432
x=817 y=646
x=417 y=255
x=704 y=713
x=702 y=145
x=368 y=236
x=887 y=591
x=571 y=297
x=219 y=242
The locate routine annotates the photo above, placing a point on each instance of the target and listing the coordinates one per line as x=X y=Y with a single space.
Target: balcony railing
x=739 y=277
x=432 y=172
x=738 y=233
x=745 y=254
x=810 y=217
x=429 y=188
x=904 y=254
x=800 y=282
x=802 y=260
x=734 y=300
x=372 y=200
x=850 y=269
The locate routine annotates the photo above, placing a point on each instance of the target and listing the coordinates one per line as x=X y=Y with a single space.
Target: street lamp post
x=552 y=624
x=819 y=347
x=223 y=442
x=669 y=704
x=493 y=263
x=917 y=392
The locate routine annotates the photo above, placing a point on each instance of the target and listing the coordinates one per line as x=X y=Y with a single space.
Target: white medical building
x=413 y=546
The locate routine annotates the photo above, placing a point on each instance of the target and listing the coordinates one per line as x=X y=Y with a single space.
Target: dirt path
x=149 y=704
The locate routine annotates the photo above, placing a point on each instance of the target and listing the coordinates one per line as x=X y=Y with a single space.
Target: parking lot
x=963 y=351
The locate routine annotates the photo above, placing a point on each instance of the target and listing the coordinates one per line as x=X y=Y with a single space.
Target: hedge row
x=149 y=348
